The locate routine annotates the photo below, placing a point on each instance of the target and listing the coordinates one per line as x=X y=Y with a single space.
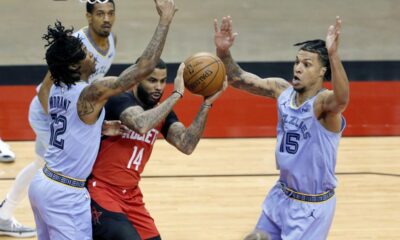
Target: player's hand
x=179 y=85
x=224 y=37
x=113 y=128
x=166 y=9
x=210 y=99
x=332 y=38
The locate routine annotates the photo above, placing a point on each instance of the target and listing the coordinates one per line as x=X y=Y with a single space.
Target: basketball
x=204 y=74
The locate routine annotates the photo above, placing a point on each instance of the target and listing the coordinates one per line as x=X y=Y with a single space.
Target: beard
x=145 y=98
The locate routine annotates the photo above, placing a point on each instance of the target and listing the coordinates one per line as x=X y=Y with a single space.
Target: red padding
x=374 y=110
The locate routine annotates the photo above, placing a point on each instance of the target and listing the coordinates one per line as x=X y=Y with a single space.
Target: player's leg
x=265 y=224
x=109 y=225
x=19 y=189
x=269 y=220
x=39 y=123
x=138 y=215
x=323 y=216
x=43 y=232
x=65 y=210
x=304 y=220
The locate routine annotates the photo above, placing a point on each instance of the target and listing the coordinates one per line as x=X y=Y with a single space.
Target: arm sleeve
x=169 y=120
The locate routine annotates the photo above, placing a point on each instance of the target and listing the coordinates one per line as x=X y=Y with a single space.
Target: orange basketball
x=204 y=74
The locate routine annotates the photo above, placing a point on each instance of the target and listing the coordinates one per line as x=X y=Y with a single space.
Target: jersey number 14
x=136 y=158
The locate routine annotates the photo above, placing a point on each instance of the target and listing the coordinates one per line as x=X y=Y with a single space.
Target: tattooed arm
x=237 y=77
x=186 y=140
x=94 y=96
x=141 y=121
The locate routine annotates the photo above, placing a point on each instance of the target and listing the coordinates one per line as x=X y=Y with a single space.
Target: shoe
x=6 y=155
x=13 y=228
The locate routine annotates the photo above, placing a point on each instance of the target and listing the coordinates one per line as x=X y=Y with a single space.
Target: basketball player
x=6 y=155
x=100 y=41
x=60 y=203
x=310 y=123
x=118 y=210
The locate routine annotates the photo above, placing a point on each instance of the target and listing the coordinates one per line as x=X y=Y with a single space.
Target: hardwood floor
x=216 y=193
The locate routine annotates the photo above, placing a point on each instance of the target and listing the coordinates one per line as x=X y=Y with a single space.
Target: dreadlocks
x=63 y=51
x=318 y=46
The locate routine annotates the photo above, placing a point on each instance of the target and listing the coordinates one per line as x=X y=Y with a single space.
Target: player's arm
x=94 y=96
x=44 y=91
x=330 y=104
x=237 y=77
x=186 y=139
x=141 y=121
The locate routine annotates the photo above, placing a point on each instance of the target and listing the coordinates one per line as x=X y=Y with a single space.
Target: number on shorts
x=136 y=158
x=57 y=127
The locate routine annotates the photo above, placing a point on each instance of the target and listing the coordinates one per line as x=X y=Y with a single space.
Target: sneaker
x=6 y=155
x=13 y=228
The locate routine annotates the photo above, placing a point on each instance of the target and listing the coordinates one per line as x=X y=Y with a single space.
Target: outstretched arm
x=237 y=77
x=94 y=96
x=336 y=101
x=186 y=140
x=331 y=104
x=141 y=121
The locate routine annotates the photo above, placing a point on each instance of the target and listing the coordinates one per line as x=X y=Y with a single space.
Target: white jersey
x=305 y=151
x=103 y=59
x=73 y=144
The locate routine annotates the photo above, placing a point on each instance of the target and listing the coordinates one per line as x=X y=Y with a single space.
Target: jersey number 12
x=57 y=127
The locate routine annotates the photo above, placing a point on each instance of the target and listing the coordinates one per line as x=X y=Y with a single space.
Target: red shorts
x=128 y=202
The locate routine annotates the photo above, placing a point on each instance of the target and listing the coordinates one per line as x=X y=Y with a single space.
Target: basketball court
x=217 y=192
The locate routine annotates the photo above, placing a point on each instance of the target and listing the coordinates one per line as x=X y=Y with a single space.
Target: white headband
x=94 y=1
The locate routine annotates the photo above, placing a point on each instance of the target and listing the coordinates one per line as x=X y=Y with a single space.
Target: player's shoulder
x=124 y=97
x=323 y=94
x=285 y=93
x=80 y=32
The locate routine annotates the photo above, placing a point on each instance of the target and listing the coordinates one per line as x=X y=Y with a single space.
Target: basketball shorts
x=112 y=205
x=290 y=219
x=61 y=212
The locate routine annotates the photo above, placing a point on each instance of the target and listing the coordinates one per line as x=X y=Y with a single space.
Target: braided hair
x=63 y=51
x=318 y=46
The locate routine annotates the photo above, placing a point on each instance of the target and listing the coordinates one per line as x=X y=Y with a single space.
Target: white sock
x=20 y=188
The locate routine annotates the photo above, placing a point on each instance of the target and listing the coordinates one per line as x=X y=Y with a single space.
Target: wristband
x=180 y=94
x=205 y=105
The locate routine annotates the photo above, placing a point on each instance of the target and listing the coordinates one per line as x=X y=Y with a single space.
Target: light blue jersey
x=73 y=144
x=306 y=151
x=39 y=120
x=302 y=204
x=60 y=203
x=103 y=59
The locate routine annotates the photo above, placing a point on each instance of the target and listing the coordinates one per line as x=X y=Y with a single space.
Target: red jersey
x=121 y=159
